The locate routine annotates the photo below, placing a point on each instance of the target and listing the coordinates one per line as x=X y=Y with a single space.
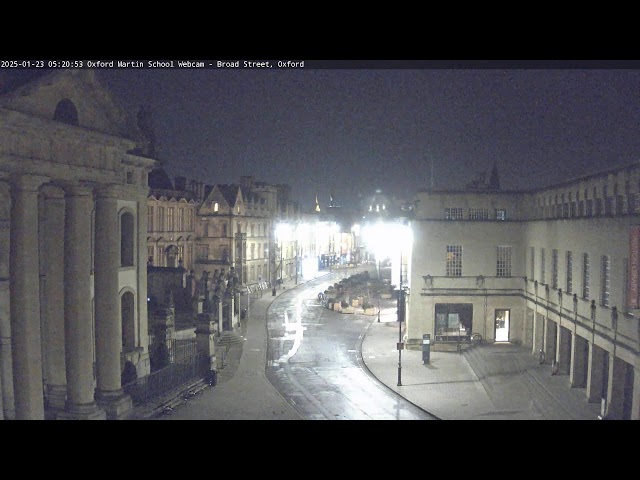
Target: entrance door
x=502 y=326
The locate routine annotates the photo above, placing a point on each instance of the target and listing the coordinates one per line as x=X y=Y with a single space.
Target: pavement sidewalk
x=500 y=381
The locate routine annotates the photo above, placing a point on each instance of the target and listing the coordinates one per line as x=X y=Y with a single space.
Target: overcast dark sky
x=348 y=132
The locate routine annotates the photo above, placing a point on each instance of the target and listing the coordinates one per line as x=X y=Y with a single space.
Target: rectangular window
x=161 y=219
x=150 y=254
x=266 y=250
x=181 y=219
x=532 y=261
x=478 y=214
x=191 y=217
x=453 y=214
x=569 y=272
x=504 y=261
x=203 y=252
x=149 y=219
x=224 y=230
x=181 y=254
x=190 y=255
x=543 y=261
x=170 y=219
x=454 y=261
x=258 y=250
x=253 y=251
x=585 y=276
x=605 y=281
x=501 y=214
x=554 y=268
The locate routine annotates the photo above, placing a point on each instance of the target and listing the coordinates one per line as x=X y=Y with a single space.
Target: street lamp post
x=400 y=319
x=296 y=261
x=280 y=263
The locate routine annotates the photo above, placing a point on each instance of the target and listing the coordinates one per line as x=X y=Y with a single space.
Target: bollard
x=426 y=348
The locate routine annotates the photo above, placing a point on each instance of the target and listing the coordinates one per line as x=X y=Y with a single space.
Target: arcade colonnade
x=73 y=253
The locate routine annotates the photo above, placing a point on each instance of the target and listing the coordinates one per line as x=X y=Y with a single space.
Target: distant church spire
x=494 y=181
x=317 y=204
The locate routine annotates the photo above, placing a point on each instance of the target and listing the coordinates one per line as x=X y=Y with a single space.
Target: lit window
x=503 y=261
x=215 y=207
x=453 y=213
x=605 y=281
x=569 y=272
x=585 y=276
x=454 y=261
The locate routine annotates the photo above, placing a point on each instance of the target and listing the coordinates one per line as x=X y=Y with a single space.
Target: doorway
x=501 y=333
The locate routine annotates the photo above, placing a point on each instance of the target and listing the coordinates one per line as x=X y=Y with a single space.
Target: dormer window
x=215 y=207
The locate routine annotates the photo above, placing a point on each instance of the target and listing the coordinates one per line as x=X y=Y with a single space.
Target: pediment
x=56 y=95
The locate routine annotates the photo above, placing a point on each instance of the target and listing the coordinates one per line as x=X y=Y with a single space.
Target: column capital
x=110 y=191
x=51 y=192
x=28 y=182
x=77 y=190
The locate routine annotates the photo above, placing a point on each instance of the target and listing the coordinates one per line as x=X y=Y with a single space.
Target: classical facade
x=72 y=250
x=555 y=269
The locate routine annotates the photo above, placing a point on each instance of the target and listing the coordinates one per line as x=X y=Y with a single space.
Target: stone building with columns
x=73 y=249
x=555 y=269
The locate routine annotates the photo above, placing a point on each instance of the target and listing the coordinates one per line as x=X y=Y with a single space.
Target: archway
x=127 y=307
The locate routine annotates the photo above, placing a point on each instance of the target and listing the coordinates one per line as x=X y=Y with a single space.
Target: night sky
x=348 y=132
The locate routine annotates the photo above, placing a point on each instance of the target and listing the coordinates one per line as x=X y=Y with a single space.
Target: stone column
x=635 y=405
x=144 y=367
x=563 y=350
x=615 y=389
x=6 y=377
x=538 y=333
x=579 y=360
x=549 y=341
x=55 y=370
x=594 y=374
x=109 y=394
x=7 y=410
x=25 y=300
x=77 y=307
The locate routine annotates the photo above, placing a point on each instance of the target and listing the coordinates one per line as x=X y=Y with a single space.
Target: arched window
x=66 y=112
x=215 y=207
x=126 y=240
x=127 y=309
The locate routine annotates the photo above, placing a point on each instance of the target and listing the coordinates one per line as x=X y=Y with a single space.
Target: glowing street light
x=390 y=240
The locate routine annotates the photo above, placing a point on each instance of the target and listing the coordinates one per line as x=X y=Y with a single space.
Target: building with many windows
x=555 y=269
x=171 y=220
